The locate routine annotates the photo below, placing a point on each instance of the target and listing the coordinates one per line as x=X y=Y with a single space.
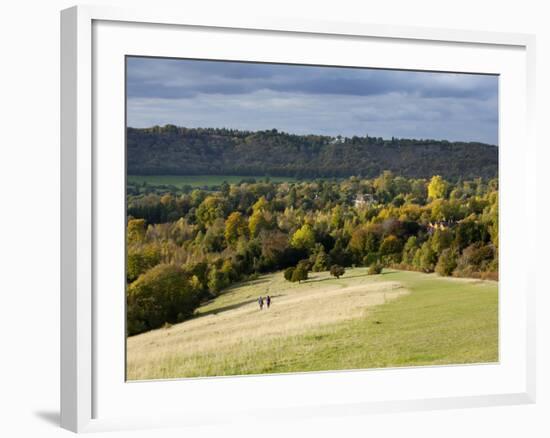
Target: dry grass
x=395 y=319
x=232 y=325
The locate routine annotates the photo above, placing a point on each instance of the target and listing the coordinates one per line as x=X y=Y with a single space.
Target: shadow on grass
x=345 y=277
x=230 y=307
x=245 y=283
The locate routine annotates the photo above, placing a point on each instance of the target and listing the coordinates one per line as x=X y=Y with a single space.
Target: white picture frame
x=93 y=389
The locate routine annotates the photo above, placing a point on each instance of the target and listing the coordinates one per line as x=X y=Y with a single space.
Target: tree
x=235 y=227
x=337 y=271
x=428 y=257
x=301 y=272
x=210 y=209
x=141 y=259
x=441 y=240
x=375 y=269
x=259 y=221
x=446 y=263
x=136 y=231
x=321 y=260
x=475 y=258
x=162 y=294
x=391 y=245
x=288 y=273
x=303 y=238
x=216 y=280
x=409 y=250
x=437 y=188
x=364 y=241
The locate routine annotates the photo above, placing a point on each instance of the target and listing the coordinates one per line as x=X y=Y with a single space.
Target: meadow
x=180 y=181
x=397 y=318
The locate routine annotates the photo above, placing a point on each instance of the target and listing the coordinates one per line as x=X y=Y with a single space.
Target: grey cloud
x=305 y=99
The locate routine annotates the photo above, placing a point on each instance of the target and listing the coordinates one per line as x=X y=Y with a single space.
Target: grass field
x=395 y=319
x=198 y=180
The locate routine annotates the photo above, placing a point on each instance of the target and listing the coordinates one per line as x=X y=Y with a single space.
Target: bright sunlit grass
x=394 y=319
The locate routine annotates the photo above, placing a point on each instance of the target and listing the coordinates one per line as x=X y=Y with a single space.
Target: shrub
x=476 y=258
x=217 y=280
x=301 y=272
x=427 y=257
x=446 y=263
x=391 y=245
x=337 y=271
x=140 y=260
x=321 y=261
x=163 y=294
x=375 y=269
x=371 y=259
x=288 y=273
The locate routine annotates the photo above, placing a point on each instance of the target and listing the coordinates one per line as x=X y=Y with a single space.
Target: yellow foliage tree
x=437 y=188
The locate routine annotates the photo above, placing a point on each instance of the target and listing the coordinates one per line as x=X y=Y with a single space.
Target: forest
x=172 y=150
x=186 y=245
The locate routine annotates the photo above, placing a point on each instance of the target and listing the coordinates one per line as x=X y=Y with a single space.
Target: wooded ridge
x=172 y=150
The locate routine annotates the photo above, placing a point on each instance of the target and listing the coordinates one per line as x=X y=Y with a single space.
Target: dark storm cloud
x=304 y=99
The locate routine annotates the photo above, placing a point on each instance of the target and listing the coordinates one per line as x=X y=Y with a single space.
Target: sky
x=312 y=99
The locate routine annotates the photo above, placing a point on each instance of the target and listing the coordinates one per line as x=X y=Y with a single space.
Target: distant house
x=441 y=225
x=363 y=200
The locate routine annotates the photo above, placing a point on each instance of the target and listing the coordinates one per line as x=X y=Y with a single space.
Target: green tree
x=428 y=257
x=288 y=273
x=301 y=272
x=321 y=261
x=363 y=242
x=441 y=240
x=216 y=280
x=391 y=245
x=409 y=250
x=446 y=263
x=162 y=294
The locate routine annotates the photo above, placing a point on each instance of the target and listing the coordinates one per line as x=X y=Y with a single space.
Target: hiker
x=261 y=302
x=268 y=301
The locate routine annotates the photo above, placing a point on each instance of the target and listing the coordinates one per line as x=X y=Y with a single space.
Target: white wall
x=29 y=218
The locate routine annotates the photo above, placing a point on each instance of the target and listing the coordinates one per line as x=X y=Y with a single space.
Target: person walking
x=261 y=302
x=268 y=301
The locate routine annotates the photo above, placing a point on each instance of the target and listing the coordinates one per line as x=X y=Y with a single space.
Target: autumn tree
x=210 y=209
x=136 y=231
x=235 y=227
x=437 y=188
x=303 y=238
x=140 y=259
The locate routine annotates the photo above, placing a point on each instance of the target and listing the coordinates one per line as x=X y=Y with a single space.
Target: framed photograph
x=312 y=218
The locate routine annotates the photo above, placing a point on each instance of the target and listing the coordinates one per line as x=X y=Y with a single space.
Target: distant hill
x=172 y=150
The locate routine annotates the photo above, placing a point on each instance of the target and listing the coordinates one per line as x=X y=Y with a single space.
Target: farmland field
x=198 y=180
x=398 y=318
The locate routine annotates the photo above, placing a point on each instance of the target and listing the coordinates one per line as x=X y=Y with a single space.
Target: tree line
x=185 y=247
x=172 y=150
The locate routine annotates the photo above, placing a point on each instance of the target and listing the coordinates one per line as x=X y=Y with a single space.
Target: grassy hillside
x=394 y=319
